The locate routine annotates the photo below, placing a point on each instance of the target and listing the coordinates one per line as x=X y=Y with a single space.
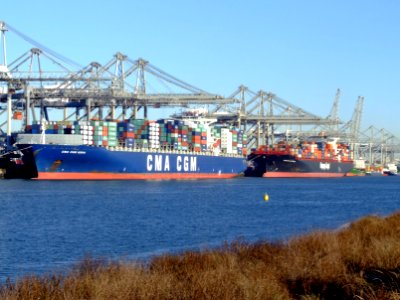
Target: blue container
x=178 y=122
x=125 y=126
x=36 y=127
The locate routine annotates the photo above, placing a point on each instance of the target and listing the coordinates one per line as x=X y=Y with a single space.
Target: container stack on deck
x=164 y=133
x=141 y=131
x=171 y=132
x=183 y=136
x=231 y=139
x=104 y=133
x=154 y=135
x=126 y=134
x=317 y=150
x=84 y=129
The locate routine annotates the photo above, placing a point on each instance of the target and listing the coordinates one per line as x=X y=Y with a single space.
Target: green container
x=112 y=143
x=95 y=123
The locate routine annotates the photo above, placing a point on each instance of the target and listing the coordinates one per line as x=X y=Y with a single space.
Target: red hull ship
x=307 y=159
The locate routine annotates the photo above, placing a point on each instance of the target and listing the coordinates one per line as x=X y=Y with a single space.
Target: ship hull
x=288 y=166
x=69 y=162
x=18 y=164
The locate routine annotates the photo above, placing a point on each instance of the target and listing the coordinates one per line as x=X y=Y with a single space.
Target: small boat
x=389 y=173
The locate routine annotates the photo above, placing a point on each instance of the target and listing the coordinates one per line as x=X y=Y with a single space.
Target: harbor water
x=48 y=226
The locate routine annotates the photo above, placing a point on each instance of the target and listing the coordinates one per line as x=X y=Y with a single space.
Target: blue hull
x=96 y=163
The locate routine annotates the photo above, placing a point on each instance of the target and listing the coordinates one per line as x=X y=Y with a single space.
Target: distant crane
x=351 y=129
x=334 y=114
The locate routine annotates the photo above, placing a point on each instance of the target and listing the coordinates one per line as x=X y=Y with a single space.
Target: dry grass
x=361 y=261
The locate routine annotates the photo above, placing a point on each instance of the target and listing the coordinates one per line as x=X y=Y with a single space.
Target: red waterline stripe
x=301 y=175
x=122 y=176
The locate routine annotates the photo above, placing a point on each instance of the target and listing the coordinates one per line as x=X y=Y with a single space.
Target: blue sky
x=300 y=50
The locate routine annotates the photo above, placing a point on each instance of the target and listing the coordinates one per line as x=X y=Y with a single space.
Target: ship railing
x=170 y=150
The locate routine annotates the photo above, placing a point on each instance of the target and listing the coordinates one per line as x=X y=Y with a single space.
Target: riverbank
x=359 y=261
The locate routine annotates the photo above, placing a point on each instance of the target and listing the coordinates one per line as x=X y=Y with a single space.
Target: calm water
x=48 y=226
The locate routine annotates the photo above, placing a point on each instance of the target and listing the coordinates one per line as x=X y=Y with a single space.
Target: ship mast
x=3 y=29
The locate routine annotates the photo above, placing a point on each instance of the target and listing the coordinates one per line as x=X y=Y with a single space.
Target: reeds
x=361 y=261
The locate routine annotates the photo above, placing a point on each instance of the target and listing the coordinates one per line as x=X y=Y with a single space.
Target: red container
x=17 y=115
x=126 y=134
x=196 y=139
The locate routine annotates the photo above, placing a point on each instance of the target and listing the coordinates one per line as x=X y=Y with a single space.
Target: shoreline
x=360 y=260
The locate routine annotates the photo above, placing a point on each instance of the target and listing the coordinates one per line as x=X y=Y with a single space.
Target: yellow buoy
x=266 y=197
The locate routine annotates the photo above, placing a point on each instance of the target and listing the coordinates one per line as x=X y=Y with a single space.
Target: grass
x=361 y=261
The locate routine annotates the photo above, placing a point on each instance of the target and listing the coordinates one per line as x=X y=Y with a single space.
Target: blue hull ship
x=84 y=162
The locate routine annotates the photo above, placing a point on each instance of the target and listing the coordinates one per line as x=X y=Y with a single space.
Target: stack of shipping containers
x=154 y=135
x=165 y=134
x=126 y=134
x=104 y=133
x=141 y=132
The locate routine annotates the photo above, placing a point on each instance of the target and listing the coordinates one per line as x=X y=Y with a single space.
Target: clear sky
x=300 y=50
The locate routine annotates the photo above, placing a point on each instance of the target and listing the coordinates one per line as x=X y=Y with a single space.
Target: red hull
x=121 y=176
x=302 y=175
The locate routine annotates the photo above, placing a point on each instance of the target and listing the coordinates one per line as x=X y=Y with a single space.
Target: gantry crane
x=99 y=90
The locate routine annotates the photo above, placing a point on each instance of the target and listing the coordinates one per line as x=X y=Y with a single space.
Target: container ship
x=135 y=149
x=307 y=159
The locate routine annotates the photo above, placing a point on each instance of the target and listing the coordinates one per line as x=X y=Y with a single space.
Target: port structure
x=124 y=88
x=265 y=116
x=123 y=83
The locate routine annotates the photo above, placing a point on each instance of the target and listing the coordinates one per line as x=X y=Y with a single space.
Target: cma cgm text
x=163 y=163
